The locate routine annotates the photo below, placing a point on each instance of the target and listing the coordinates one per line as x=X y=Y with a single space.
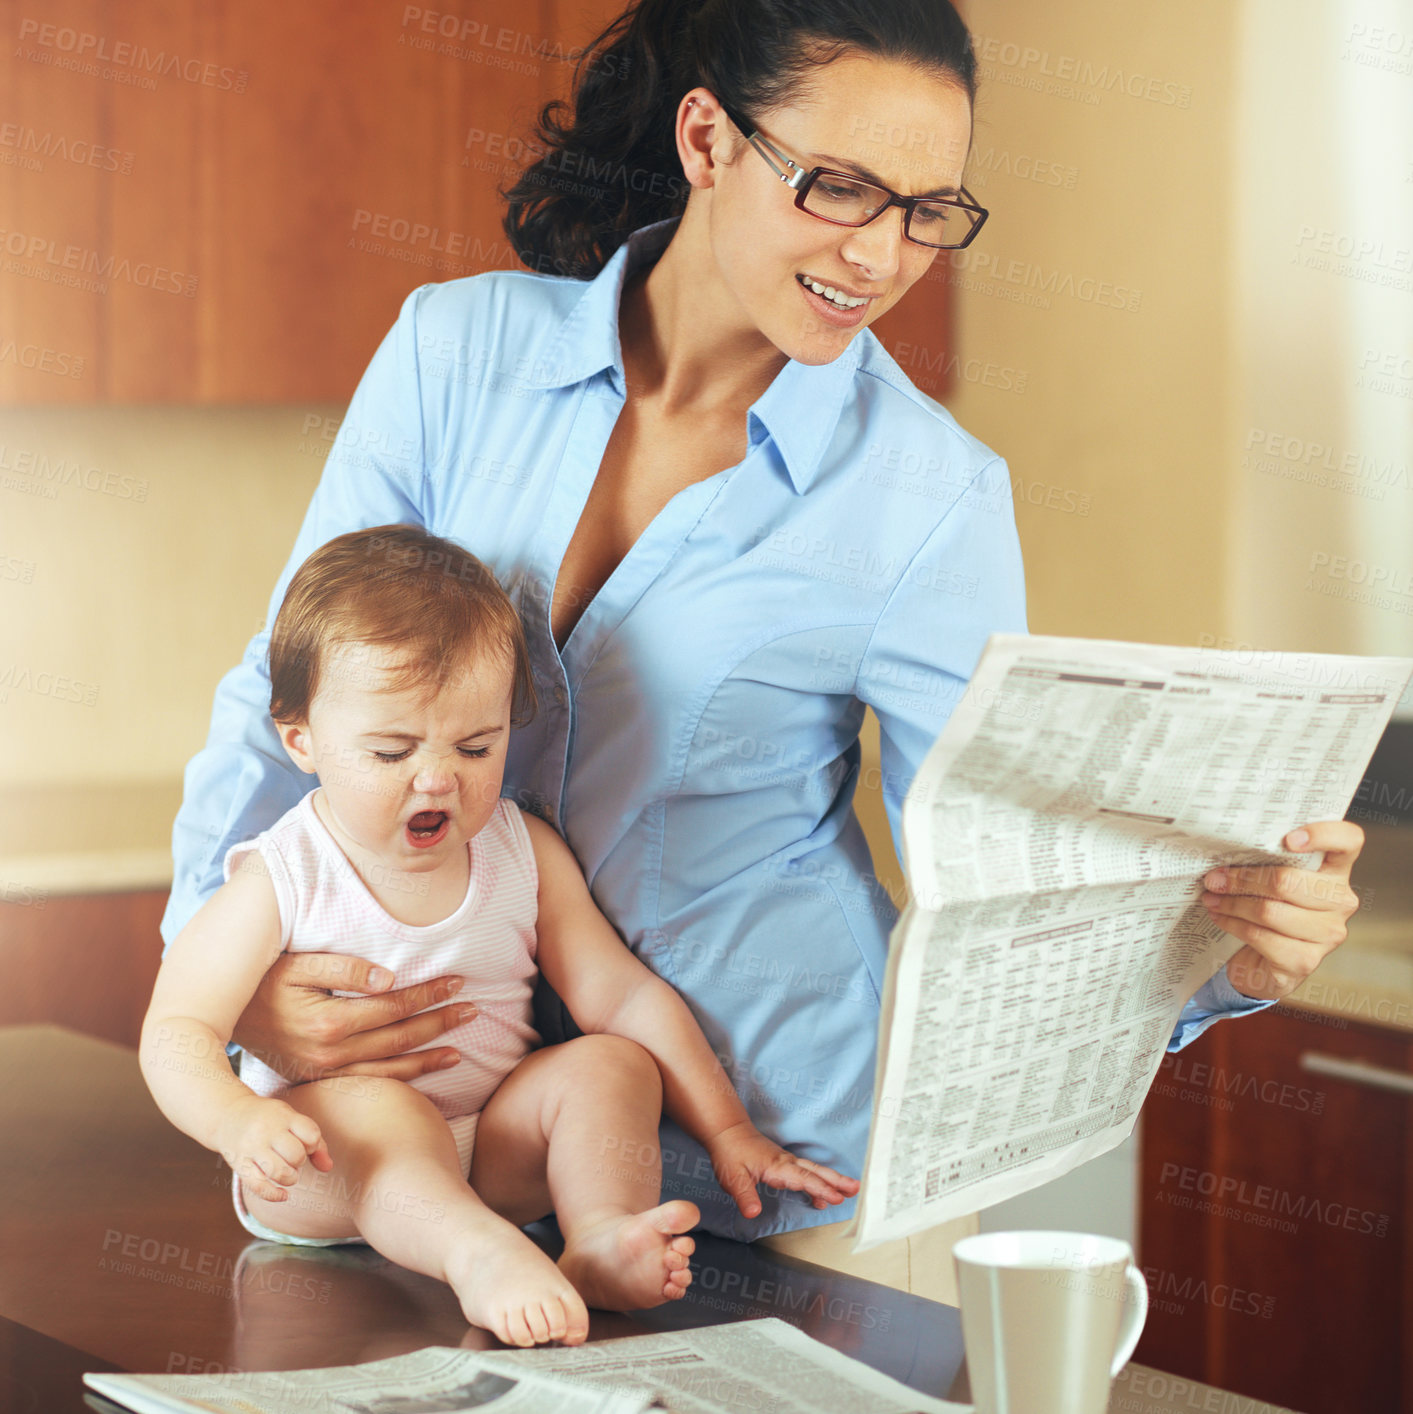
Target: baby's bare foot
x=631 y=1261
x=506 y=1284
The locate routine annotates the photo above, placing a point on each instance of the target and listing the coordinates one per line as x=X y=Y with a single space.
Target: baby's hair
x=398 y=587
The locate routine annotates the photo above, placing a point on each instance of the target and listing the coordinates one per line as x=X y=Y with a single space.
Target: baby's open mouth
x=426 y=823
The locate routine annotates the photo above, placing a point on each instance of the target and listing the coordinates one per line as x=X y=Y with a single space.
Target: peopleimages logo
x=1069 y=76
x=64 y=47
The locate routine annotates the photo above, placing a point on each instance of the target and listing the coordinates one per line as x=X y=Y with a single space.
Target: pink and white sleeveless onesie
x=489 y=940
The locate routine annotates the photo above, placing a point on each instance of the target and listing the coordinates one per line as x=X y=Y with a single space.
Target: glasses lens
x=851 y=202
x=941 y=224
x=843 y=199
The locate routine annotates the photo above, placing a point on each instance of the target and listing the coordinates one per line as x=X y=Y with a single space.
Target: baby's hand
x=742 y=1157
x=266 y=1141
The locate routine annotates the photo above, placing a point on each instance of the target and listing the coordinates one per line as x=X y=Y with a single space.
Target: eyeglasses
x=845 y=199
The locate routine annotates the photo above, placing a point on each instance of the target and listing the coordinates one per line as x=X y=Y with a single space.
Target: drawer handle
x=1377 y=1077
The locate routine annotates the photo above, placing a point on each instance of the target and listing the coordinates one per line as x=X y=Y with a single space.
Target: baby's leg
x=573 y=1129
x=397 y=1181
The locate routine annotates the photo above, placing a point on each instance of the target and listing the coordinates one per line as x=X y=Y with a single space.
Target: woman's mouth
x=427 y=827
x=834 y=305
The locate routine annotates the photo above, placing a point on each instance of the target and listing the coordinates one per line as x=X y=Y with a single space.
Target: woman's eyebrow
x=826 y=160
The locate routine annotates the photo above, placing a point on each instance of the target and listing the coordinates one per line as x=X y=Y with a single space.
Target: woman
x=677 y=464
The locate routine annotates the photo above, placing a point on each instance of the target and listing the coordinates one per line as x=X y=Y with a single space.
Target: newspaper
x=439 y=1378
x=1054 y=842
x=754 y=1366
x=741 y=1367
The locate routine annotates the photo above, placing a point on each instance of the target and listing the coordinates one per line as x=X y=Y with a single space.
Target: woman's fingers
x=1298 y=923
x=1290 y=919
x=331 y=972
x=296 y=1024
x=374 y=1038
x=1339 y=840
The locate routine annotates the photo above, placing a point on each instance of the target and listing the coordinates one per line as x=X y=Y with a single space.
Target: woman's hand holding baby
x=742 y=1157
x=267 y=1141
x=300 y=1029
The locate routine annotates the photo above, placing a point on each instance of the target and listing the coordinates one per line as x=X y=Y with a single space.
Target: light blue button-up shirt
x=697 y=738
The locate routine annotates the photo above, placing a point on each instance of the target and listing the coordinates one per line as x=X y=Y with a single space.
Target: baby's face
x=406 y=780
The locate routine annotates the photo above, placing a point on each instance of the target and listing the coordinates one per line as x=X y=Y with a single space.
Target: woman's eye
x=475 y=751
x=390 y=755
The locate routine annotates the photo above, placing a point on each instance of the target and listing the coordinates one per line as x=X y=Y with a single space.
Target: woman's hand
x=1290 y=919
x=266 y=1142
x=299 y=1029
x=742 y=1157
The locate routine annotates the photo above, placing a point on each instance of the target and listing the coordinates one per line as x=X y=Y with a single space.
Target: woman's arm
x=916 y=668
x=206 y=977
x=242 y=781
x=609 y=990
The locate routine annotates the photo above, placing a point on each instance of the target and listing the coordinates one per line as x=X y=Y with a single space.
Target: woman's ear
x=294 y=737
x=703 y=136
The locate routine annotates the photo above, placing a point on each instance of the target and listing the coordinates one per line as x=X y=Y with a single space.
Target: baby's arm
x=207 y=976
x=608 y=990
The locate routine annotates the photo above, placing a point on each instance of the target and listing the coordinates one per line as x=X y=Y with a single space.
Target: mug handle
x=1135 y=1314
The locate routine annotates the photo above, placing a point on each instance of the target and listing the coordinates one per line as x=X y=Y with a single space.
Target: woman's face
x=907 y=128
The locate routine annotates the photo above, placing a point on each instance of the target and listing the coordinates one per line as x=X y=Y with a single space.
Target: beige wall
x=1131 y=423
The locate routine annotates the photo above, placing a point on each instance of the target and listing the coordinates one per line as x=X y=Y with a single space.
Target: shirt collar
x=798 y=411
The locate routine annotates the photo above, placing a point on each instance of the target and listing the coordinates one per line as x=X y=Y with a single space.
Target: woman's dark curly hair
x=608 y=161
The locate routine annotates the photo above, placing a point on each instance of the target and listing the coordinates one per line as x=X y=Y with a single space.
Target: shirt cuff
x=1213 y=1000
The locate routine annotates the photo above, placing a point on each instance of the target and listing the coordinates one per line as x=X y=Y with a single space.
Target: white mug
x=1048 y=1318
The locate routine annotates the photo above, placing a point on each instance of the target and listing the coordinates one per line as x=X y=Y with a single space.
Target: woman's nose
x=877 y=247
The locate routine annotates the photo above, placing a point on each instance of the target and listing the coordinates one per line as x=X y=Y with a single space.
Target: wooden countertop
x=121 y=1252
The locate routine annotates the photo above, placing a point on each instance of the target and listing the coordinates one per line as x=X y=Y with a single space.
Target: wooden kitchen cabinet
x=226 y=201
x=1274 y=1203
x=85 y=961
x=215 y=201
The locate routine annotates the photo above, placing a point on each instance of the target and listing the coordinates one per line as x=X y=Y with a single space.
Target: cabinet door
x=222 y=201
x=1274 y=1215
x=85 y=961
x=227 y=200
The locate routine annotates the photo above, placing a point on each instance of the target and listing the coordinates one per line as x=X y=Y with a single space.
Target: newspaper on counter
x=760 y=1367
x=1054 y=841
x=764 y=1366
x=438 y=1378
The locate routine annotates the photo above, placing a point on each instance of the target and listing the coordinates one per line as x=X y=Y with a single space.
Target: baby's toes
x=555 y=1318
x=576 y=1326
x=685 y=1245
x=537 y=1322
x=517 y=1329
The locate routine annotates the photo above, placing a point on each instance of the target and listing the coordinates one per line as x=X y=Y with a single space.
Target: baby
x=397 y=669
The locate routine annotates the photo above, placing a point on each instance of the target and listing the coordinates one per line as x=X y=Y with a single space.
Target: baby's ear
x=294 y=737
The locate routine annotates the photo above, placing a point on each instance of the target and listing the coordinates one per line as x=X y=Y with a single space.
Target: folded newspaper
x=723 y=1369
x=1054 y=842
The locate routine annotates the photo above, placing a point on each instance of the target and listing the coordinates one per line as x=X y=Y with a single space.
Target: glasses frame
x=800 y=181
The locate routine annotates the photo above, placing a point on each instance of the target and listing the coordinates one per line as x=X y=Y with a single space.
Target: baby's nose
x=434 y=775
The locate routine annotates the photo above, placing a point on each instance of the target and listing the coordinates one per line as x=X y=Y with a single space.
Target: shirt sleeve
x=966 y=582
x=242 y=781
x=1213 y=1000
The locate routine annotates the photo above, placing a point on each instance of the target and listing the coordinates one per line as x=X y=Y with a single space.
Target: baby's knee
x=620 y=1061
